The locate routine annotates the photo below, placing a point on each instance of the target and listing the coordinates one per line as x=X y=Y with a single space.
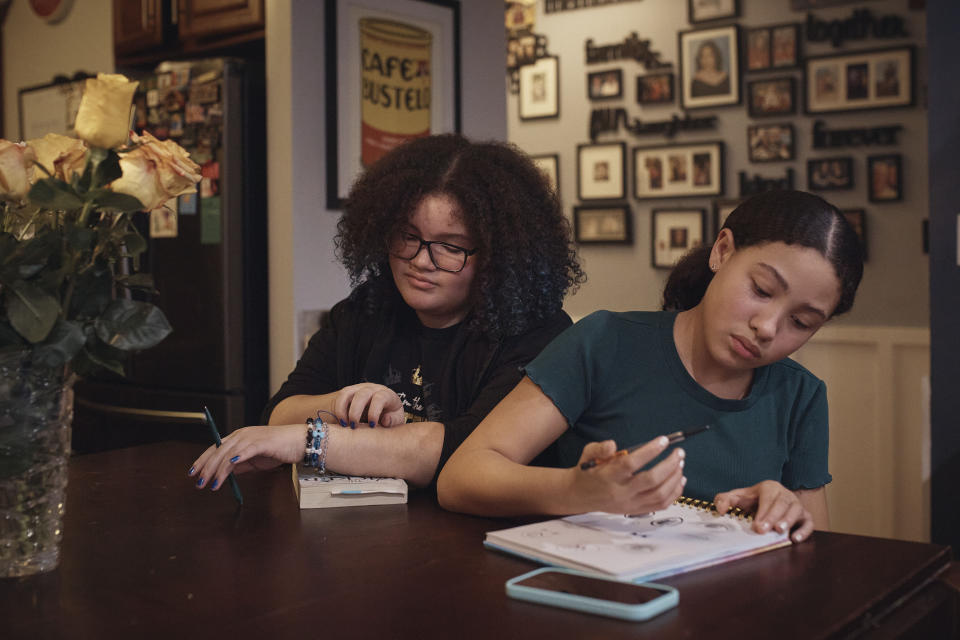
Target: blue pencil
x=216 y=438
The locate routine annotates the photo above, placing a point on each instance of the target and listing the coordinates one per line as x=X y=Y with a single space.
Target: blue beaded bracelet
x=315 y=454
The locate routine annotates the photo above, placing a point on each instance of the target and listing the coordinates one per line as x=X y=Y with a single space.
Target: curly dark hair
x=791 y=217
x=526 y=259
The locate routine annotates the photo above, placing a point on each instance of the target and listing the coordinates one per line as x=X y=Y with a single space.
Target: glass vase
x=36 y=411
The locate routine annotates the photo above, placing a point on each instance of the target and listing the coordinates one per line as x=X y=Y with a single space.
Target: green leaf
x=130 y=325
x=135 y=243
x=92 y=292
x=81 y=238
x=32 y=311
x=63 y=343
x=118 y=202
x=88 y=363
x=54 y=194
x=107 y=170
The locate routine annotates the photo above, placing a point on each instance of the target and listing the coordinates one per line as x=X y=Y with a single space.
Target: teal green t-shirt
x=618 y=376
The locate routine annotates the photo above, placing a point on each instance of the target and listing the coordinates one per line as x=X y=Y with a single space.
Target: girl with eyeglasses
x=460 y=257
x=783 y=264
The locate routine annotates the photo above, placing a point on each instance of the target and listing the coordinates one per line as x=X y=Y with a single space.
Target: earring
x=714 y=267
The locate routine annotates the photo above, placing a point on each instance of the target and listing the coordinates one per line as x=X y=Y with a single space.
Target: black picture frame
x=722 y=208
x=601 y=171
x=772 y=97
x=830 y=174
x=539 y=94
x=885 y=177
x=699 y=11
x=343 y=69
x=771 y=142
x=655 y=88
x=49 y=108
x=860 y=80
x=858 y=220
x=772 y=47
x=549 y=163
x=702 y=87
x=603 y=224
x=605 y=85
x=678 y=170
x=674 y=232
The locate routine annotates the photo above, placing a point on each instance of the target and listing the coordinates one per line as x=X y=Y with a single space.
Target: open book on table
x=688 y=535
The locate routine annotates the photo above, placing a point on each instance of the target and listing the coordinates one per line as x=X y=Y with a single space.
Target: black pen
x=672 y=438
x=216 y=438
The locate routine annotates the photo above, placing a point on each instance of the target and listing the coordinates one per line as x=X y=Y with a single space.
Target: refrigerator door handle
x=149 y=414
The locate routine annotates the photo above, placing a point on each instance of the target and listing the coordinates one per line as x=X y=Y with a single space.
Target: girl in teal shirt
x=784 y=263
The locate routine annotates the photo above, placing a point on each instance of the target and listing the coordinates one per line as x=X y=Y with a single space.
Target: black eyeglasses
x=443 y=255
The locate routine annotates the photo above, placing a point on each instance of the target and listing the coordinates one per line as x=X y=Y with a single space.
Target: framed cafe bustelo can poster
x=392 y=75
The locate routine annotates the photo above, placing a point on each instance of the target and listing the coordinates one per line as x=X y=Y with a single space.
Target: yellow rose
x=60 y=155
x=156 y=171
x=16 y=169
x=103 y=119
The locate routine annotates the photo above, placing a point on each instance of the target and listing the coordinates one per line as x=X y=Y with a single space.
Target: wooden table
x=146 y=555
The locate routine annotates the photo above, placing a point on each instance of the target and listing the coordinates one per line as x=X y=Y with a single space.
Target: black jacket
x=353 y=345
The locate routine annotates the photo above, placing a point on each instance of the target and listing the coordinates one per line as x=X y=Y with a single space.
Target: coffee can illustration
x=395 y=95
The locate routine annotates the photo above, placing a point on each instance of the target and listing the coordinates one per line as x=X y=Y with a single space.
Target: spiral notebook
x=687 y=535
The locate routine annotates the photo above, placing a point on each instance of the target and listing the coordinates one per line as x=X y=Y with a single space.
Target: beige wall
x=34 y=51
x=895 y=290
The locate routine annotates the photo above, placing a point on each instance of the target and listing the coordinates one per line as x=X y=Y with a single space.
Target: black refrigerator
x=208 y=256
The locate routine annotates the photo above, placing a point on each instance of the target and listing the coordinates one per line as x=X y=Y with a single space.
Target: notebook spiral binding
x=705 y=505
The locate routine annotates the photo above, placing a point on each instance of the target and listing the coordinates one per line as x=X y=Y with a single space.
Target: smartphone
x=590 y=593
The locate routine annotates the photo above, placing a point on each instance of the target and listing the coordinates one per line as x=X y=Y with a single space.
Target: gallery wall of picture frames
x=664 y=134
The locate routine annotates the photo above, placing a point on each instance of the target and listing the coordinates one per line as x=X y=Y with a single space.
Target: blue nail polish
x=343 y=423
x=371 y=424
x=353 y=425
x=200 y=482
x=192 y=469
x=213 y=485
x=234 y=458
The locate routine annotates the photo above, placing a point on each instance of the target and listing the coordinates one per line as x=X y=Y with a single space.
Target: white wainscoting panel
x=878 y=389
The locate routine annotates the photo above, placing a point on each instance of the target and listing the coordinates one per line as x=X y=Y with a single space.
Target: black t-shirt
x=415 y=369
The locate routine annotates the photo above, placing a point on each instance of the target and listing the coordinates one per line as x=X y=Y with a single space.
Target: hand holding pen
x=672 y=438
x=216 y=439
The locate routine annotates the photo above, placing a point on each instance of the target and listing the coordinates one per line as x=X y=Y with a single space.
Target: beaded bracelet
x=315 y=454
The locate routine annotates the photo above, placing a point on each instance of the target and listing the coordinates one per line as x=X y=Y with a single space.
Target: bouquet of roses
x=69 y=251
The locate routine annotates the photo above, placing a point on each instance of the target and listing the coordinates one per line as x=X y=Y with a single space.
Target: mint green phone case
x=667 y=600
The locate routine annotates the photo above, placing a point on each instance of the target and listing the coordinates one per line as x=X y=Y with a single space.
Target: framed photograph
x=707 y=10
x=540 y=89
x=876 y=79
x=825 y=174
x=602 y=225
x=605 y=85
x=365 y=119
x=549 y=163
x=49 y=108
x=722 y=208
x=773 y=47
x=770 y=142
x=601 y=171
x=710 y=67
x=785 y=46
x=673 y=233
x=675 y=171
x=758 y=49
x=771 y=97
x=884 y=178
x=858 y=220
x=655 y=88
